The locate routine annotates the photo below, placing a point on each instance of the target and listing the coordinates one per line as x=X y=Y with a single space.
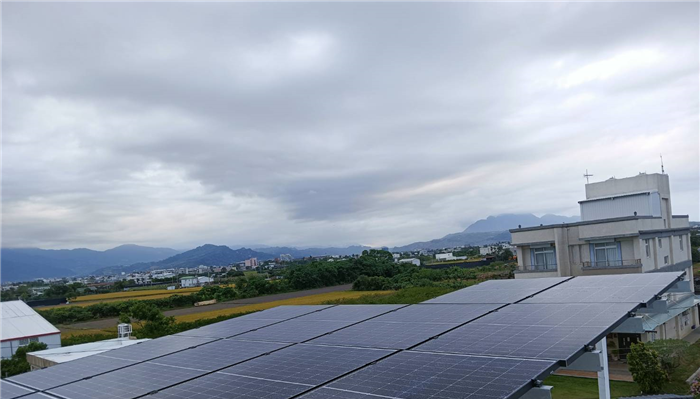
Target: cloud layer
x=329 y=124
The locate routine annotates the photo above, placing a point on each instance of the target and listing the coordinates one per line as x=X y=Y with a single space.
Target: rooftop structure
x=22 y=325
x=51 y=357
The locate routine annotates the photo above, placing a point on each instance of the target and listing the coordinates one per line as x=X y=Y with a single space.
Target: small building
x=487 y=250
x=444 y=257
x=22 y=325
x=251 y=263
x=50 y=357
x=188 y=281
x=410 y=260
x=202 y=280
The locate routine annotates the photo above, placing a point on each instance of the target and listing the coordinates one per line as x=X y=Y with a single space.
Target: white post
x=603 y=374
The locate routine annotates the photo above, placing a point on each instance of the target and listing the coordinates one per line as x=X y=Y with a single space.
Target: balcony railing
x=624 y=263
x=550 y=267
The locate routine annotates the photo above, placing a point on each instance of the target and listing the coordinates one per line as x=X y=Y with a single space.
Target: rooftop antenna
x=586 y=175
x=662 y=163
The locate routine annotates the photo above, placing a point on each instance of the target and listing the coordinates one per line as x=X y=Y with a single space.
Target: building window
x=543 y=258
x=680 y=240
x=666 y=260
x=24 y=341
x=647 y=247
x=661 y=243
x=606 y=254
x=34 y=339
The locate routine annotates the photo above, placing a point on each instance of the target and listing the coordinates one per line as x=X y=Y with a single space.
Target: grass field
x=305 y=300
x=587 y=388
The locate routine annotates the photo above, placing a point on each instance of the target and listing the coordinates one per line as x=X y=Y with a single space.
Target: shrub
x=646 y=368
x=671 y=352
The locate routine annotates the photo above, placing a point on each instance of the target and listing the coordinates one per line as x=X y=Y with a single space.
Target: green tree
x=645 y=366
x=671 y=352
x=695 y=253
x=694 y=239
x=151 y=321
x=18 y=364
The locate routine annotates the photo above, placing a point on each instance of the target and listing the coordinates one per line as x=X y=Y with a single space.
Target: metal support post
x=603 y=375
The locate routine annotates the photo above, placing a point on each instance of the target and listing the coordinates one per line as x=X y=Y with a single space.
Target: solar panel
x=285 y=312
x=540 y=331
x=499 y=291
x=431 y=375
x=332 y=393
x=631 y=288
x=349 y=313
x=37 y=395
x=437 y=313
x=294 y=331
x=377 y=334
x=127 y=383
x=307 y=364
x=156 y=347
x=11 y=391
x=218 y=354
x=225 y=386
x=67 y=372
x=228 y=328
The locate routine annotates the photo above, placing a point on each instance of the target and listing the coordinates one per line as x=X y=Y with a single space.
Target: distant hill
x=506 y=222
x=208 y=254
x=457 y=240
x=304 y=252
x=491 y=230
x=20 y=264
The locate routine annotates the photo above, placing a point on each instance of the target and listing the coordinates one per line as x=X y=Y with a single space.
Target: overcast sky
x=332 y=124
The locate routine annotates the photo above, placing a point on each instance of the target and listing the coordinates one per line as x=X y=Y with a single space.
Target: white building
x=487 y=250
x=410 y=260
x=202 y=280
x=444 y=257
x=22 y=325
x=188 y=281
x=626 y=227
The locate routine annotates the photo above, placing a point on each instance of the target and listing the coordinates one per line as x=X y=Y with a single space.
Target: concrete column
x=603 y=374
x=561 y=243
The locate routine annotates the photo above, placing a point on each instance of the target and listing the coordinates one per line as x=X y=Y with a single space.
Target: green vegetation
x=25 y=292
x=645 y=366
x=587 y=388
x=18 y=364
x=404 y=296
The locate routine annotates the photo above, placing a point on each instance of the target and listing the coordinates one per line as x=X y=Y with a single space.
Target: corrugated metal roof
x=68 y=353
x=21 y=321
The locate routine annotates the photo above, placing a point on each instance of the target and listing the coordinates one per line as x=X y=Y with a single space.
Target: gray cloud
x=329 y=124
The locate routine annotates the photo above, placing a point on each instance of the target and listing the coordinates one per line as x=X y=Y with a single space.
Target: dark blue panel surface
x=541 y=331
x=430 y=375
x=499 y=291
x=629 y=288
x=224 y=386
x=218 y=354
x=307 y=364
x=127 y=383
x=68 y=372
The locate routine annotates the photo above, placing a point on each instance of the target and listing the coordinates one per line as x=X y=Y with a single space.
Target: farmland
x=304 y=300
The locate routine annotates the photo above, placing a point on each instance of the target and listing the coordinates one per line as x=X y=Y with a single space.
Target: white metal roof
x=73 y=352
x=21 y=321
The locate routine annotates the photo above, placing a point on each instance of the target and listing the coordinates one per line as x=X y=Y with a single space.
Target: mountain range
x=19 y=264
x=30 y=263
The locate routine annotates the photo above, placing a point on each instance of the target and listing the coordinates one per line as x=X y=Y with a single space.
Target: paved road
x=107 y=323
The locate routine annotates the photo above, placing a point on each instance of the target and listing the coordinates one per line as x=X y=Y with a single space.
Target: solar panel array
x=459 y=345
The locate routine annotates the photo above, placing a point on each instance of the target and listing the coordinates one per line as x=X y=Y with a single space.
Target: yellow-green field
x=87 y=300
x=133 y=294
x=304 y=300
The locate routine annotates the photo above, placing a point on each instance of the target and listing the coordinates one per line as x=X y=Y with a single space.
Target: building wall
x=10 y=347
x=645 y=204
